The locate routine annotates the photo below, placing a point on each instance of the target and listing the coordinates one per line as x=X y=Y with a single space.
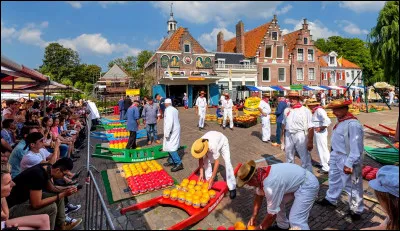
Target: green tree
x=79 y=85
x=129 y=63
x=143 y=57
x=384 y=38
x=59 y=62
x=67 y=82
x=92 y=73
x=88 y=88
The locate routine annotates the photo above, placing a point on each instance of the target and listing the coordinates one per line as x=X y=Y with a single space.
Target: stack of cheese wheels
x=272 y=118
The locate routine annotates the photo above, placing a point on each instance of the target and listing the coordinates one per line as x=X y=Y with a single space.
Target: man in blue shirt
x=18 y=152
x=150 y=118
x=132 y=124
x=282 y=105
x=121 y=108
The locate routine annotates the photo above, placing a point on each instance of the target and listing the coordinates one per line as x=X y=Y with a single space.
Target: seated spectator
x=11 y=110
x=64 y=140
x=8 y=132
x=49 y=139
x=5 y=153
x=37 y=153
x=34 y=193
x=35 y=222
x=19 y=152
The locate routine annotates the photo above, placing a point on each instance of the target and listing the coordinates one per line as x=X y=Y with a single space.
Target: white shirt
x=298 y=119
x=216 y=141
x=222 y=98
x=264 y=107
x=94 y=113
x=320 y=119
x=322 y=95
x=356 y=141
x=283 y=178
x=227 y=104
x=32 y=159
x=391 y=94
x=201 y=102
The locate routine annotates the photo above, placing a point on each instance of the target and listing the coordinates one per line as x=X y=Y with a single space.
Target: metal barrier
x=97 y=216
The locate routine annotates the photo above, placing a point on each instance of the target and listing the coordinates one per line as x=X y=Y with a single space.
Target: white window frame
x=269 y=74
x=302 y=55
x=265 y=53
x=333 y=60
x=272 y=37
x=304 y=41
x=246 y=63
x=313 y=79
x=325 y=76
x=347 y=74
x=284 y=74
x=283 y=52
x=184 y=46
x=221 y=63
x=302 y=70
x=313 y=55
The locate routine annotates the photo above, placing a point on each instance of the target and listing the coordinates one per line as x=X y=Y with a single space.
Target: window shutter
x=329 y=75
x=343 y=77
x=338 y=76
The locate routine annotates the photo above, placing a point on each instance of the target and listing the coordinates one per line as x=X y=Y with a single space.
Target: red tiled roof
x=252 y=39
x=291 y=39
x=348 y=64
x=345 y=63
x=173 y=43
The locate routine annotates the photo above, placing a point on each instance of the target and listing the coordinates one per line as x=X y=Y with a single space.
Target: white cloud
x=44 y=24
x=362 y=6
x=228 y=12
x=350 y=27
x=30 y=34
x=104 y=4
x=209 y=40
x=284 y=10
x=285 y=31
x=317 y=29
x=75 y=4
x=7 y=32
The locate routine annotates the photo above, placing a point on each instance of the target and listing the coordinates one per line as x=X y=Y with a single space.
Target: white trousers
x=228 y=113
x=230 y=176
x=266 y=128
x=297 y=142
x=391 y=101
x=339 y=181
x=202 y=114
x=323 y=102
x=304 y=199
x=321 y=139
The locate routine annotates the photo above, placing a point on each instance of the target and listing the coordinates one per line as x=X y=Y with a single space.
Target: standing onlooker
x=150 y=118
x=132 y=124
x=282 y=105
x=172 y=133
x=161 y=104
x=185 y=101
x=127 y=104
x=121 y=108
x=227 y=106
x=265 y=110
x=391 y=97
x=323 y=98
x=201 y=109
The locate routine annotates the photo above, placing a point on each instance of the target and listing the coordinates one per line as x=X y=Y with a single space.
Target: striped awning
x=326 y=87
x=336 y=88
x=278 y=88
x=266 y=89
x=252 y=88
x=316 y=88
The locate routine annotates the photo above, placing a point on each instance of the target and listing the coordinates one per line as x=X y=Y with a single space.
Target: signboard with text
x=196 y=78
x=132 y=92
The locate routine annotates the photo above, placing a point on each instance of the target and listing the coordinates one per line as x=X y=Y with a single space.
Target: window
x=305 y=41
x=274 y=36
x=187 y=48
x=246 y=63
x=341 y=76
x=221 y=63
x=300 y=56
x=279 y=52
x=266 y=76
x=268 y=52
x=325 y=77
x=311 y=74
x=281 y=75
x=352 y=74
x=310 y=55
x=299 y=73
x=331 y=60
x=347 y=75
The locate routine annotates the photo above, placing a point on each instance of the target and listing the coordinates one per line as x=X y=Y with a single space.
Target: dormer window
x=274 y=36
x=332 y=60
x=305 y=41
x=187 y=48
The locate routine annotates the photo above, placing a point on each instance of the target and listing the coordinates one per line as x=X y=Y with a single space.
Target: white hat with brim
x=168 y=100
x=387 y=180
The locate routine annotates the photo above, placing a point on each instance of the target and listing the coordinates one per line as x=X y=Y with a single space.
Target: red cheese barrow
x=391 y=132
x=195 y=215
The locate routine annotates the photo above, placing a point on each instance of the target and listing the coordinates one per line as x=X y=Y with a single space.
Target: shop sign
x=196 y=78
x=132 y=92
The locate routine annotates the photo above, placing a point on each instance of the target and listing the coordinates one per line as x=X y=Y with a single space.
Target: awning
x=326 y=87
x=252 y=88
x=278 y=88
x=336 y=88
x=266 y=89
x=317 y=88
x=307 y=88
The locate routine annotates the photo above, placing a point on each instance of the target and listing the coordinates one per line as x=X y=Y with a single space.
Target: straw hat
x=293 y=94
x=199 y=148
x=312 y=102
x=338 y=103
x=245 y=173
x=266 y=94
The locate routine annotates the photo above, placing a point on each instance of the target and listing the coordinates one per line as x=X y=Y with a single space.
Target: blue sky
x=102 y=31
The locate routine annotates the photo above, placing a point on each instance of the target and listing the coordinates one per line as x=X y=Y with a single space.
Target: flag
x=230 y=73
x=170 y=73
x=340 y=61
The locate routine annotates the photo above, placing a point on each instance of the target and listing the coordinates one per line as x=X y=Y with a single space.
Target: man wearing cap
x=172 y=133
x=209 y=148
x=297 y=125
x=320 y=122
x=132 y=124
x=346 y=159
x=265 y=110
x=201 y=109
x=150 y=115
x=386 y=186
x=227 y=106
x=280 y=184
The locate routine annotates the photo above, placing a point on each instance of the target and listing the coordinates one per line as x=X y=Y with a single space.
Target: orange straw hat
x=312 y=102
x=245 y=173
x=293 y=94
x=338 y=103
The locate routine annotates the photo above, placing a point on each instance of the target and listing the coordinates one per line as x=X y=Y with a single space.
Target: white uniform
x=94 y=113
x=227 y=106
x=266 y=125
x=297 y=121
x=391 y=97
x=218 y=145
x=323 y=99
x=201 y=103
x=321 y=119
x=172 y=130
x=347 y=151
x=284 y=183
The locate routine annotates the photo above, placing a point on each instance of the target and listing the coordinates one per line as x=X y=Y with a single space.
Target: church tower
x=171 y=23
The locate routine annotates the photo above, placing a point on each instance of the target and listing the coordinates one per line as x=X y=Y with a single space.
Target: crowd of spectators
x=37 y=154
